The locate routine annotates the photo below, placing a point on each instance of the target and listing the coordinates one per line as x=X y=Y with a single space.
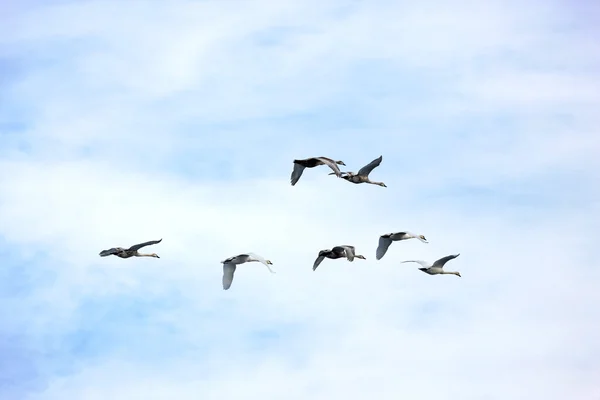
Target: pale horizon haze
x=128 y=121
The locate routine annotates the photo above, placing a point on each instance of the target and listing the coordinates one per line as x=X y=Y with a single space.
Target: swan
x=230 y=264
x=386 y=240
x=130 y=252
x=436 y=267
x=299 y=166
x=363 y=173
x=337 y=252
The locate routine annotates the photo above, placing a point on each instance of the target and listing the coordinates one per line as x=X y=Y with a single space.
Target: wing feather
x=366 y=170
x=440 y=263
x=318 y=261
x=228 y=271
x=139 y=246
x=424 y=264
x=382 y=248
x=296 y=173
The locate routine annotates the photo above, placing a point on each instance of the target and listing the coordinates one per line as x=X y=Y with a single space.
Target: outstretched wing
x=331 y=165
x=318 y=261
x=384 y=243
x=110 y=252
x=228 y=271
x=440 y=263
x=366 y=170
x=296 y=173
x=139 y=246
x=424 y=264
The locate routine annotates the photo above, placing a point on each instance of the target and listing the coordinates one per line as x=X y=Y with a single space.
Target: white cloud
x=180 y=122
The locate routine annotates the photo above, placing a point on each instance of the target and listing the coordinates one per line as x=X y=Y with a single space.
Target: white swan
x=436 y=267
x=386 y=240
x=230 y=264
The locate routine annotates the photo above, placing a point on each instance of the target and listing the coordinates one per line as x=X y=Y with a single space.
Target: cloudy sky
x=122 y=122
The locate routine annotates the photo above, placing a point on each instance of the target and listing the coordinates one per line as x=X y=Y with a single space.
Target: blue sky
x=122 y=122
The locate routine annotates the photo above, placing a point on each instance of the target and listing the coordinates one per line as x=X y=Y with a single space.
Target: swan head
x=361 y=257
x=458 y=274
x=269 y=262
x=340 y=163
x=382 y=184
x=154 y=255
x=423 y=238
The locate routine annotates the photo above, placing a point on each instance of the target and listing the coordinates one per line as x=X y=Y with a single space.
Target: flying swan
x=363 y=173
x=230 y=264
x=130 y=252
x=299 y=166
x=437 y=267
x=337 y=252
x=386 y=240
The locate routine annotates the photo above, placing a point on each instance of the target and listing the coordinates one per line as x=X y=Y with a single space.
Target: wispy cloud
x=124 y=122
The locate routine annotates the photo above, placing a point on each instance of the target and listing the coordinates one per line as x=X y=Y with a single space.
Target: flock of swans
x=341 y=251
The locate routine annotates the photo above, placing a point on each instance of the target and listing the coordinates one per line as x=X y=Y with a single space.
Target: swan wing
x=296 y=173
x=228 y=271
x=382 y=248
x=318 y=262
x=440 y=263
x=366 y=170
x=139 y=246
